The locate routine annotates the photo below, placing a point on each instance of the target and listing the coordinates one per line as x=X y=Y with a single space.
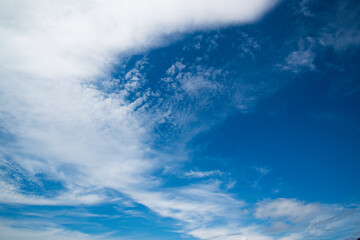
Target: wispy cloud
x=230 y=233
x=300 y=219
x=342 y=31
x=300 y=59
x=194 y=205
x=12 y=230
x=201 y=174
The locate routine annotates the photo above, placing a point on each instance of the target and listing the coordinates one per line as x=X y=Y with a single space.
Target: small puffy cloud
x=299 y=59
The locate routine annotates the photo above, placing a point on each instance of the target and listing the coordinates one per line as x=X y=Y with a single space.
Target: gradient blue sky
x=222 y=120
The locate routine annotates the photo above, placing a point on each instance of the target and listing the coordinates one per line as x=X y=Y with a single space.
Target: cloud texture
x=96 y=145
x=62 y=128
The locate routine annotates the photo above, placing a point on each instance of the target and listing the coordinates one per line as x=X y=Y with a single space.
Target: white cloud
x=304 y=7
x=307 y=219
x=82 y=38
x=51 y=56
x=201 y=174
x=230 y=233
x=11 y=194
x=301 y=59
x=286 y=208
x=263 y=170
x=341 y=39
x=341 y=26
x=19 y=230
x=294 y=236
x=194 y=205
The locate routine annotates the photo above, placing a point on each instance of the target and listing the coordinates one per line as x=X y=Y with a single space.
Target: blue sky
x=222 y=120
